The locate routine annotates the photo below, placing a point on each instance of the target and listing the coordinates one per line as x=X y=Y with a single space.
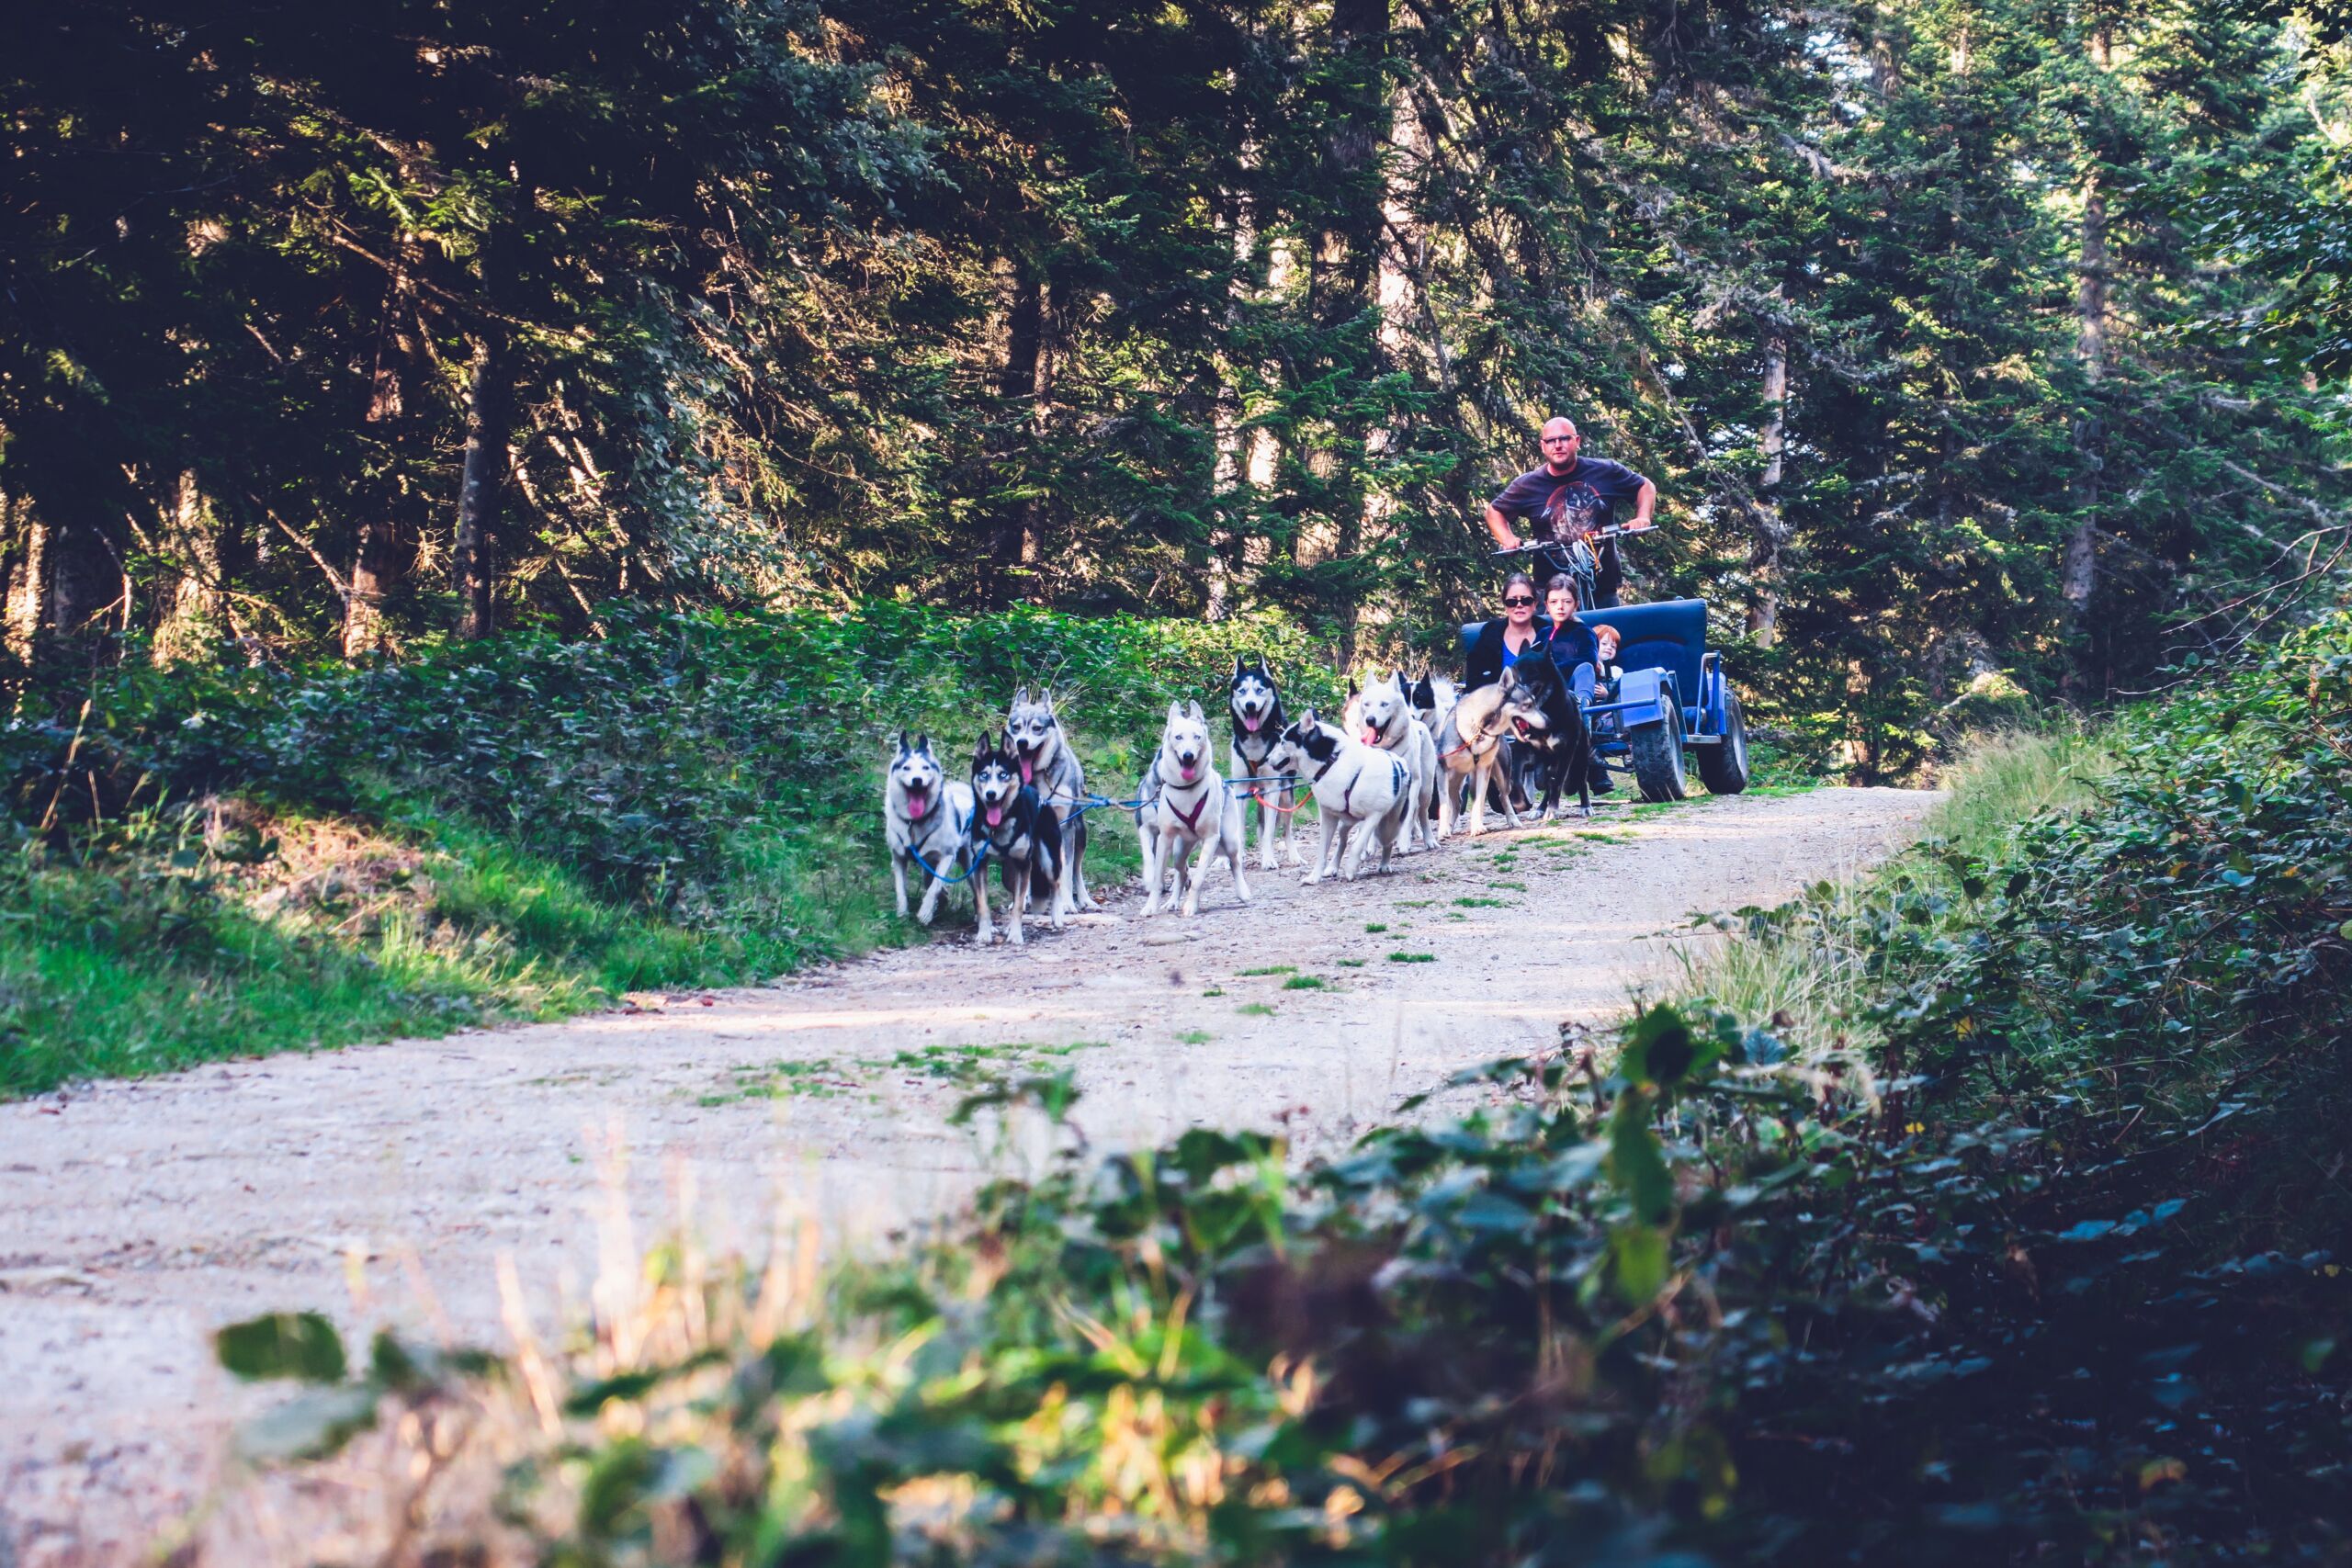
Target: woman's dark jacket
x=1488 y=655
x=1573 y=646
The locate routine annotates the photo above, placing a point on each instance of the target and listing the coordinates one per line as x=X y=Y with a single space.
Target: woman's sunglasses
x=1518 y=602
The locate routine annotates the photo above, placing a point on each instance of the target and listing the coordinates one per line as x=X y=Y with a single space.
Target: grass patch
x=1412 y=958
x=1471 y=903
x=1194 y=1037
x=1270 y=969
x=1305 y=983
x=1375 y=927
x=1351 y=963
x=1255 y=1010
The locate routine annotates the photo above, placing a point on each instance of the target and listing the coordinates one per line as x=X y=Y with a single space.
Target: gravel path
x=387 y=1183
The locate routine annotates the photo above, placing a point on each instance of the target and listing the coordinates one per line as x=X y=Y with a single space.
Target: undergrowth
x=2047 y=1271
x=694 y=800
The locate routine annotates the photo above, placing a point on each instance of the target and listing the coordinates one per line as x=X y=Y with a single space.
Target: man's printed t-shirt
x=1563 y=507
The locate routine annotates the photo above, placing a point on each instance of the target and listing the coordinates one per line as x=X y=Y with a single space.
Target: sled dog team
x=1392 y=771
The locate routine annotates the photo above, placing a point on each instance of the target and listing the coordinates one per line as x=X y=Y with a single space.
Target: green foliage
x=534 y=825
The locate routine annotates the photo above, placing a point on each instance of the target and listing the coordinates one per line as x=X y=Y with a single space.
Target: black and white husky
x=926 y=820
x=1034 y=733
x=1018 y=831
x=1186 y=808
x=1256 y=703
x=1362 y=793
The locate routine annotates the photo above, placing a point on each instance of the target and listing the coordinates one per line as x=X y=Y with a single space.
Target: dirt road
x=387 y=1183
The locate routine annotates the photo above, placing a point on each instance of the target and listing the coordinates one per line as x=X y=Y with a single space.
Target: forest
x=1973 y=344
x=480 y=486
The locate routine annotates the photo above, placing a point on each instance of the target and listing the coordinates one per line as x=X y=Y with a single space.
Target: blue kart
x=1671 y=709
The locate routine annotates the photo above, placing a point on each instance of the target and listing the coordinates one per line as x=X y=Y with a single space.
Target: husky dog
x=1432 y=695
x=1256 y=703
x=1186 y=808
x=1361 y=791
x=1551 y=725
x=926 y=819
x=1386 y=716
x=1020 y=831
x=1051 y=767
x=1469 y=749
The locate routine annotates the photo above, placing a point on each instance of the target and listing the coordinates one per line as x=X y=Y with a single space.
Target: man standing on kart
x=1569 y=497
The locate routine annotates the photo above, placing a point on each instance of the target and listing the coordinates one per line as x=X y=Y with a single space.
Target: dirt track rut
x=387 y=1183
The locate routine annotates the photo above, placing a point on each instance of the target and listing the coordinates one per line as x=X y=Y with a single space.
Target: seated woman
x=1505 y=639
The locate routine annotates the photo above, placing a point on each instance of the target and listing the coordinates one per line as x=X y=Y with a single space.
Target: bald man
x=1568 y=497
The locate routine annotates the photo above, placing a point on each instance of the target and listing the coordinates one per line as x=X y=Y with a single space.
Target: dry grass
x=1807 y=966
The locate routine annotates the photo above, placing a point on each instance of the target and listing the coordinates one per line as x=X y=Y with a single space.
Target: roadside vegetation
x=2020 y=1240
x=218 y=863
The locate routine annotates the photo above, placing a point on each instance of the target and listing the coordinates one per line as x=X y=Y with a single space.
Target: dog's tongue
x=1371 y=736
x=996 y=814
x=1028 y=774
x=1188 y=770
x=1251 y=721
x=917 y=804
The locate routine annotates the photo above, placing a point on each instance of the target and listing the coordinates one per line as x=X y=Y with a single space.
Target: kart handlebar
x=1543 y=547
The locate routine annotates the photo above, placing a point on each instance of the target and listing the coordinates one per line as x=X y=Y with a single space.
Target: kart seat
x=1670 y=634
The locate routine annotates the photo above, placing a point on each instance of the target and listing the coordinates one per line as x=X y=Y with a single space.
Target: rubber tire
x=1659 y=761
x=1723 y=767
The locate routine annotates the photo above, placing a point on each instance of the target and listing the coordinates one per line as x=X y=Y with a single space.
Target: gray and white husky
x=1385 y=714
x=1256 y=703
x=926 y=817
x=1051 y=768
x=1362 y=793
x=1186 y=808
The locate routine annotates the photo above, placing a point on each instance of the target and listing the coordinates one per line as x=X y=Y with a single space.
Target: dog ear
x=1192 y=711
x=1307 y=718
x=922 y=741
x=1175 y=710
x=1238 y=666
x=903 y=747
x=1265 y=669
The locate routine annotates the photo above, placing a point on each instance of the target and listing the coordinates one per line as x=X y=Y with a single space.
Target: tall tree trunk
x=1016 y=389
x=375 y=573
x=1226 y=478
x=2078 y=575
x=1771 y=528
x=490 y=419
x=85 y=596
x=191 y=614
x=28 y=542
x=377 y=559
x=1345 y=260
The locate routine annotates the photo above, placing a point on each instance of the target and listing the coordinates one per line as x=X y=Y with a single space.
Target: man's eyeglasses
x=1520 y=603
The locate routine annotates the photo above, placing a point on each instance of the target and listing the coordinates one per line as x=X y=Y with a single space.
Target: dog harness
x=1192 y=820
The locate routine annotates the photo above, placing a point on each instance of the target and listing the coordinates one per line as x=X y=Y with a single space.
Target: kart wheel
x=1724 y=766
x=1658 y=760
